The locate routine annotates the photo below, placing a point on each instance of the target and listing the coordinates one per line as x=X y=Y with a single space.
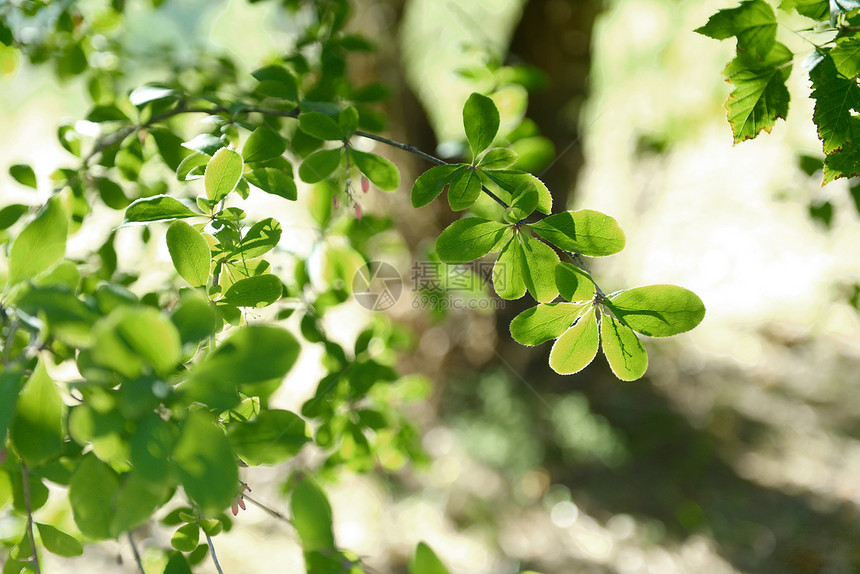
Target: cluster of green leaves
x=762 y=66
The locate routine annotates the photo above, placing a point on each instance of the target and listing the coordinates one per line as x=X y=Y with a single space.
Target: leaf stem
x=135 y=552
x=34 y=557
x=212 y=552
x=268 y=510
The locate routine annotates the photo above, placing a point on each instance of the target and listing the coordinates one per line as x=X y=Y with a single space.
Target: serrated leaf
x=382 y=172
x=260 y=239
x=508 y=271
x=222 y=174
x=498 y=158
x=312 y=516
x=844 y=162
x=263 y=144
x=40 y=244
x=753 y=23
x=481 y=122
x=274 y=181
x=469 y=239
x=573 y=283
x=205 y=463
x=577 y=346
x=58 y=542
x=512 y=181
x=257 y=291
x=157 y=208
x=846 y=56
x=23 y=174
x=90 y=491
x=36 y=429
x=657 y=310
x=464 y=189
x=205 y=143
x=545 y=322
x=432 y=182
x=190 y=253
x=425 y=561
x=319 y=165
x=539 y=263
x=760 y=96
x=271 y=438
x=583 y=231
x=321 y=126
x=836 y=101
x=815 y=9
x=623 y=349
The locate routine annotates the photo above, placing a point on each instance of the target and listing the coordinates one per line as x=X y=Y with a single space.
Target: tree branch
x=135 y=552
x=212 y=552
x=34 y=557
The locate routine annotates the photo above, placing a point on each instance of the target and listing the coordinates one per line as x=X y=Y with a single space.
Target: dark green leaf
x=271 y=438
x=481 y=122
x=10 y=214
x=573 y=283
x=657 y=310
x=207 y=467
x=177 y=564
x=263 y=144
x=312 y=516
x=319 y=165
x=577 y=346
x=464 y=189
x=760 y=96
x=321 y=126
x=382 y=172
x=845 y=162
x=157 y=208
x=169 y=147
x=107 y=113
x=10 y=385
x=136 y=500
x=469 y=239
x=545 y=322
x=111 y=193
x=753 y=22
x=257 y=291
x=623 y=349
x=23 y=174
x=40 y=244
x=36 y=429
x=151 y=447
x=274 y=181
x=425 y=561
x=59 y=542
x=276 y=82
x=583 y=231
x=222 y=174
x=190 y=253
x=90 y=493
x=836 y=101
x=431 y=183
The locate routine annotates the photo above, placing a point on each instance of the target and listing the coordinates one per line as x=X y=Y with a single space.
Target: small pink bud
x=357 y=211
x=365 y=184
x=334 y=202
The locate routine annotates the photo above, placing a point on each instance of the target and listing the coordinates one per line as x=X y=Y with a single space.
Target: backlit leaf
x=258 y=291
x=157 y=208
x=583 y=231
x=425 y=561
x=190 y=253
x=271 y=438
x=321 y=126
x=815 y=9
x=837 y=99
x=130 y=338
x=464 y=189
x=41 y=243
x=222 y=174
x=498 y=158
x=545 y=322
x=260 y=239
x=481 y=122
x=431 y=183
x=382 y=172
x=90 y=493
x=573 y=283
x=577 y=346
x=469 y=239
x=513 y=181
x=846 y=56
x=36 y=429
x=58 y=542
x=657 y=310
x=623 y=349
x=274 y=181
x=539 y=263
x=312 y=516
x=263 y=144
x=753 y=22
x=319 y=165
x=508 y=271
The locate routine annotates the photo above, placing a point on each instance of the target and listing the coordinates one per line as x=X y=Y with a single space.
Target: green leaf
x=274 y=181
x=583 y=231
x=177 y=564
x=321 y=126
x=508 y=271
x=469 y=239
x=760 y=96
x=111 y=193
x=151 y=447
x=836 y=101
x=40 y=244
x=271 y=438
x=258 y=291
x=319 y=165
x=539 y=263
x=23 y=174
x=252 y=354
x=192 y=167
x=11 y=379
x=276 y=82
x=222 y=174
x=90 y=491
x=190 y=253
x=513 y=181
x=577 y=346
x=464 y=189
x=143 y=95
x=263 y=144
x=846 y=56
x=382 y=172
x=157 y=208
x=136 y=500
x=36 y=429
x=481 y=122
x=623 y=349
x=10 y=214
x=205 y=143
x=312 y=516
x=68 y=318
x=425 y=561
x=207 y=467
x=59 y=542
x=657 y=310
x=845 y=162
x=753 y=22
x=107 y=113
x=132 y=337
x=573 y=283
x=523 y=204
x=545 y=322
x=432 y=182
x=169 y=147
x=260 y=239
x=498 y=158
x=186 y=537
x=347 y=120
x=195 y=318
x=815 y=9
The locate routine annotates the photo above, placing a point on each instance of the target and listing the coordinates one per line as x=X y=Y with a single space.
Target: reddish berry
x=334 y=202
x=365 y=184
x=357 y=211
